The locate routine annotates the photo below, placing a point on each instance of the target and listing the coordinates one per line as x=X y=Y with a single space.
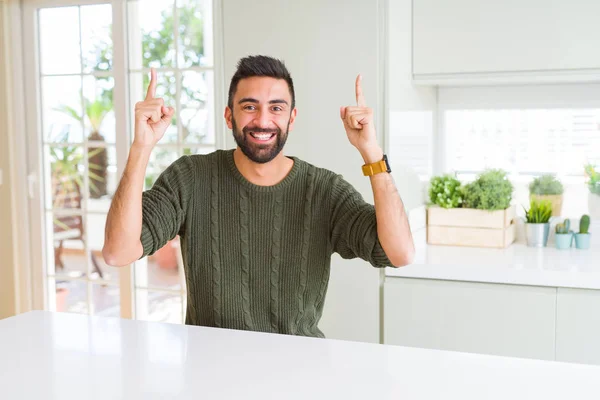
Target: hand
x=152 y=118
x=360 y=127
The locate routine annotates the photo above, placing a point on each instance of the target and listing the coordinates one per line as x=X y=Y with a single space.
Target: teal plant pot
x=563 y=240
x=582 y=240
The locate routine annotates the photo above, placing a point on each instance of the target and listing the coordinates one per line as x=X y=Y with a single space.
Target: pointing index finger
x=152 y=86
x=360 y=98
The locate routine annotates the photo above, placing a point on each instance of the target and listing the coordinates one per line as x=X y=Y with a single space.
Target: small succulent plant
x=584 y=224
x=593 y=175
x=539 y=212
x=563 y=228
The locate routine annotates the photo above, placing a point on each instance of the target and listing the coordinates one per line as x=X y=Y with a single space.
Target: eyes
x=252 y=107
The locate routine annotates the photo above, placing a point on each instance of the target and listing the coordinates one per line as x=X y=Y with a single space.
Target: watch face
x=387 y=164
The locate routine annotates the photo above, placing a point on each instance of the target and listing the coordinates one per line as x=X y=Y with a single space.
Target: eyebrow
x=252 y=100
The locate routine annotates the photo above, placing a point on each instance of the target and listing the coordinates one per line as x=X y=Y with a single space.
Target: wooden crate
x=470 y=227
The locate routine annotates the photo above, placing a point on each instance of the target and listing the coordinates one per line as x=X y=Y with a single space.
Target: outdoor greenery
x=94 y=114
x=66 y=177
x=445 y=191
x=546 y=185
x=490 y=191
x=539 y=212
x=157 y=50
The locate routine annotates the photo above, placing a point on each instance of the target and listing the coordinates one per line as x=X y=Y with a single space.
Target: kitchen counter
x=518 y=265
x=67 y=356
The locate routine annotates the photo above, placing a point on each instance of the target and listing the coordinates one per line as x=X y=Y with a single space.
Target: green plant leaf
x=445 y=191
x=539 y=212
x=546 y=185
x=490 y=191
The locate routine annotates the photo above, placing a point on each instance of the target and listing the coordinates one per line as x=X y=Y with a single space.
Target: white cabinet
x=526 y=38
x=578 y=326
x=483 y=318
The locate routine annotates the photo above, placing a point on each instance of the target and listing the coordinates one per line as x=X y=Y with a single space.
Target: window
x=522 y=141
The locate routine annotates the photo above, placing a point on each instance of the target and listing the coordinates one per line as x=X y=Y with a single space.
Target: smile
x=262 y=137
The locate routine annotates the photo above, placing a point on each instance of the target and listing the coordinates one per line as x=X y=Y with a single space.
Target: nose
x=263 y=119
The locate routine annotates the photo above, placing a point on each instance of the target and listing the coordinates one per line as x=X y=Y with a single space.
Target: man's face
x=261 y=117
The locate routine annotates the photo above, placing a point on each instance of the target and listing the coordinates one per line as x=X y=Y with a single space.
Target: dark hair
x=260 y=66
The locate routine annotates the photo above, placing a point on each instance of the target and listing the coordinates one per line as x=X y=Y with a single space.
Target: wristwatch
x=377 y=168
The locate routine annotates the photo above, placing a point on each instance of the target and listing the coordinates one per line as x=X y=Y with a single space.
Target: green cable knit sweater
x=257 y=257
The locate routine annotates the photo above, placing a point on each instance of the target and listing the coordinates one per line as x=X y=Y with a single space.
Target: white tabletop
x=65 y=356
x=517 y=264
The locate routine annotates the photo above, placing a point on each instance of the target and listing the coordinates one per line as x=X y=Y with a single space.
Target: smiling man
x=257 y=228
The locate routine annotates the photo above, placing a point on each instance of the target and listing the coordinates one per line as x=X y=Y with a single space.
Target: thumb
x=342 y=112
x=165 y=120
x=167 y=113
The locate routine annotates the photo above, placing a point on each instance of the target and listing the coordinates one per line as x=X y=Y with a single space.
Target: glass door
x=87 y=64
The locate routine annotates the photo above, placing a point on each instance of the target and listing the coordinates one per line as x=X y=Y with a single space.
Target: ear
x=293 y=118
x=228 y=114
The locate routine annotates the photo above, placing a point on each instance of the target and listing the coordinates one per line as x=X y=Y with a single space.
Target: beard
x=259 y=153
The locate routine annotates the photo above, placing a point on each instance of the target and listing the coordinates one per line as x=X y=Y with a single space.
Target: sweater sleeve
x=353 y=225
x=164 y=206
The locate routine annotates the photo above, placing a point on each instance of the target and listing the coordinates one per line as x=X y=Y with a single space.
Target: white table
x=64 y=356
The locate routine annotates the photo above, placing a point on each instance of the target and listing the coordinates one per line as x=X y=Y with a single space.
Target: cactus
x=564 y=227
x=584 y=224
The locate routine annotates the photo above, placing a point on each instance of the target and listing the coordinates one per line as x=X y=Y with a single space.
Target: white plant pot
x=594 y=205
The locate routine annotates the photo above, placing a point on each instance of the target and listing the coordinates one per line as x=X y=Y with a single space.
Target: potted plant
x=537 y=225
x=445 y=191
x=593 y=183
x=582 y=239
x=548 y=187
x=479 y=214
x=564 y=236
x=490 y=191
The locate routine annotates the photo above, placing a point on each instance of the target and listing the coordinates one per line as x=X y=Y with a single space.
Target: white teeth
x=262 y=137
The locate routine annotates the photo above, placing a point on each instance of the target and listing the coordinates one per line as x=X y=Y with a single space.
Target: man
x=257 y=228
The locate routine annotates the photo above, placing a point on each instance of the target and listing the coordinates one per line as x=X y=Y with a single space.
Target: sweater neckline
x=289 y=178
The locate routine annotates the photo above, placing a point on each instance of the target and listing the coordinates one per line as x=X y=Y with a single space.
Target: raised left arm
x=393 y=230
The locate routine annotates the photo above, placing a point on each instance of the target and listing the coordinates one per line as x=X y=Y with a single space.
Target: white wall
x=325 y=44
x=405 y=100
